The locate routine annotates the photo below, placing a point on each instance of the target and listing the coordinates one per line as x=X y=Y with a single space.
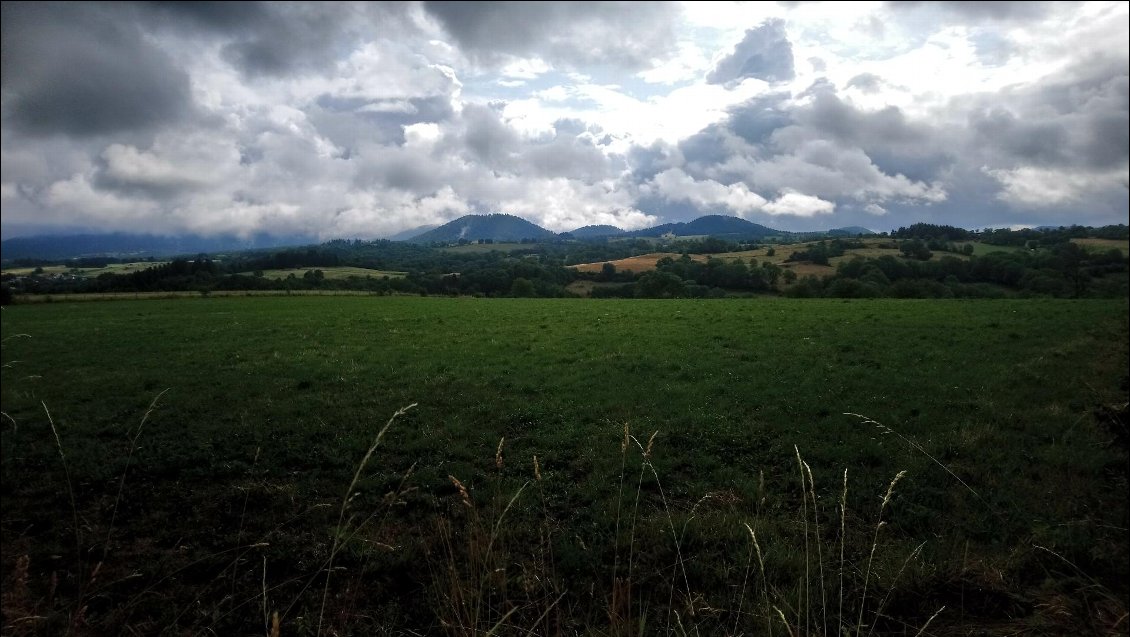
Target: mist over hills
x=492 y=227
x=125 y=244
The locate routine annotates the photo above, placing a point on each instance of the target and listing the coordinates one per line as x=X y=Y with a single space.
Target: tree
x=915 y=249
x=771 y=252
x=607 y=272
x=790 y=277
x=522 y=288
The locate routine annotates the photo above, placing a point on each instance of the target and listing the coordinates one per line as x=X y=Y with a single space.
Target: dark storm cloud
x=220 y=15
x=1041 y=143
x=622 y=34
x=756 y=119
x=569 y=154
x=996 y=9
x=990 y=11
x=648 y=161
x=764 y=53
x=290 y=37
x=346 y=121
x=279 y=38
x=82 y=70
x=832 y=117
x=487 y=138
x=1077 y=118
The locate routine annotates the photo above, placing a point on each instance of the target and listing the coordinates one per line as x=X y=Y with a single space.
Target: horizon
x=366 y=120
x=299 y=240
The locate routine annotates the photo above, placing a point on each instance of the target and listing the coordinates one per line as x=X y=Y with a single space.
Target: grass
x=87 y=273
x=872 y=249
x=477 y=248
x=228 y=506
x=1102 y=245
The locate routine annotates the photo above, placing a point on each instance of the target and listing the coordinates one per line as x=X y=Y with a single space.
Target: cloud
x=80 y=70
x=764 y=53
x=571 y=34
x=676 y=185
x=365 y=119
x=800 y=205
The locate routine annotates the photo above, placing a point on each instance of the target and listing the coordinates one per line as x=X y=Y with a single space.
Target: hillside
x=850 y=231
x=497 y=227
x=710 y=225
x=589 y=232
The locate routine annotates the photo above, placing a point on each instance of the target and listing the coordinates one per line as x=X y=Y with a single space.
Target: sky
x=343 y=120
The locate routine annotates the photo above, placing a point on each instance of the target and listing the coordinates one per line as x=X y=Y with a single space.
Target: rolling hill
x=497 y=227
x=710 y=225
x=589 y=232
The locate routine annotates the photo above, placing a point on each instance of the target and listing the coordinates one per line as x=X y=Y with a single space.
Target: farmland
x=332 y=273
x=207 y=444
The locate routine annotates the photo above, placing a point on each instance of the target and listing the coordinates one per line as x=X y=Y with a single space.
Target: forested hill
x=712 y=226
x=496 y=227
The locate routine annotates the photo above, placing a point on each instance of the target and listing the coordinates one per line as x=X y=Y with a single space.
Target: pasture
x=214 y=452
x=62 y=270
x=330 y=272
x=873 y=248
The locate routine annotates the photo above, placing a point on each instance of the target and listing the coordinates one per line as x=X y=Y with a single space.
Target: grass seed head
x=463 y=494
x=498 y=453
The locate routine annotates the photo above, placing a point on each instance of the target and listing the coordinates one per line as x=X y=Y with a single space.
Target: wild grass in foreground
x=219 y=508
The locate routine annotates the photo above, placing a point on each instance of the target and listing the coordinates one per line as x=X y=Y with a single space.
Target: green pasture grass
x=475 y=248
x=1102 y=245
x=981 y=249
x=330 y=272
x=112 y=268
x=229 y=505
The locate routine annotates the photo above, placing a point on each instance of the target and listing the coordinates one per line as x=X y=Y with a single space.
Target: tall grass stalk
x=882 y=602
x=74 y=518
x=888 y=430
x=804 y=604
x=339 y=529
x=874 y=542
x=843 y=515
x=819 y=549
x=129 y=459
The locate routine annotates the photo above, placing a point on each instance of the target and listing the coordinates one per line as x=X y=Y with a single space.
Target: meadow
x=217 y=465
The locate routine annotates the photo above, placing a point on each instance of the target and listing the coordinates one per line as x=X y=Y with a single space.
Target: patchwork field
x=873 y=248
x=112 y=268
x=214 y=452
x=335 y=272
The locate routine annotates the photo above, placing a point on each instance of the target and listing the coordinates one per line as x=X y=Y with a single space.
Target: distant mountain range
x=124 y=244
x=495 y=227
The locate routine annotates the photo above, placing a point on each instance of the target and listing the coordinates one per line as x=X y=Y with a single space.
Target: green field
x=334 y=272
x=112 y=268
x=231 y=497
x=500 y=246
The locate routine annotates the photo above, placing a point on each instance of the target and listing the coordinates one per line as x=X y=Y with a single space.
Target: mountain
x=498 y=227
x=710 y=225
x=589 y=232
x=851 y=231
x=405 y=235
x=722 y=225
x=124 y=244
